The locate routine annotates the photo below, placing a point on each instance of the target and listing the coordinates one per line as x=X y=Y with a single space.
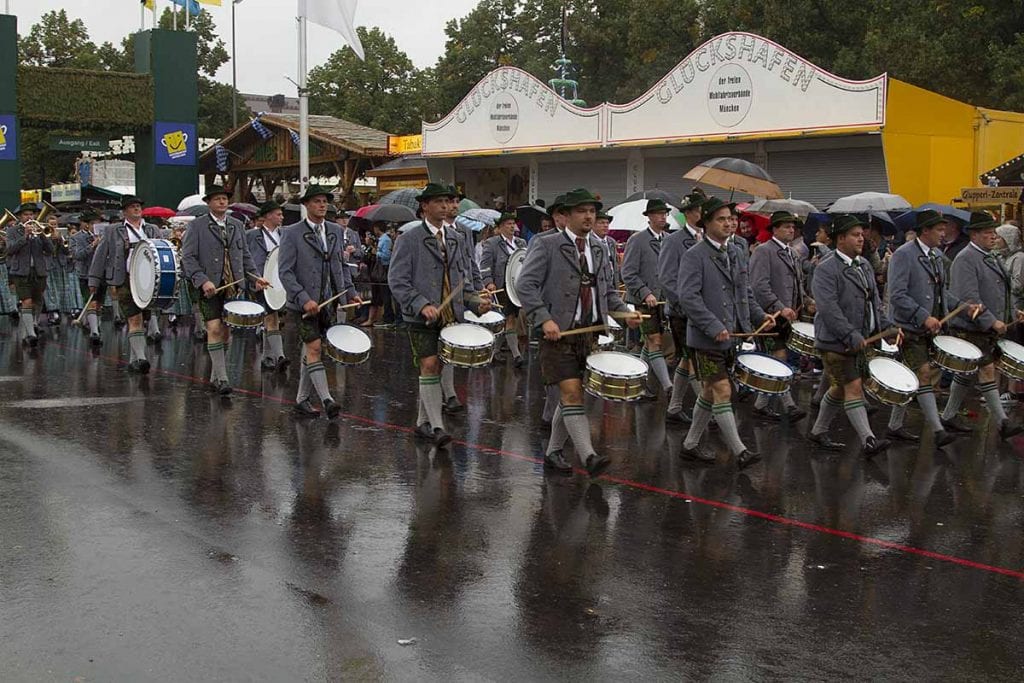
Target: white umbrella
x=630 y=216
x=190 y=201
x=796 y=206
x=865 y=202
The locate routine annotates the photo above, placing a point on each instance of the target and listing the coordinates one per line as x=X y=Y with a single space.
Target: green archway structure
x=158 y=104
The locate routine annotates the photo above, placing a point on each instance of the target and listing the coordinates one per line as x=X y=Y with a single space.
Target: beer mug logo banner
x=8 y=137
x=175 y=143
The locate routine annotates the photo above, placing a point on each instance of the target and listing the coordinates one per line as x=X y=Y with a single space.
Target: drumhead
x=890 y=349
x=957 y=347
x=512 y=270
x=244 y=308
x=488 y=318
x=612 y=323
x=1011 y=348
x=802 y=328
x=348 y=338
x=142 y=271
x=764 y=365
x=276 y=296
x=467 y=335
x=748 y=346
x=616 y=363
x=605 y=340
x=893 y=374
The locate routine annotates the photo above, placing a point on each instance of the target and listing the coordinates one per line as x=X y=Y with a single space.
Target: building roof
x=1010 y=172
x=405 y=165
x=358 y=138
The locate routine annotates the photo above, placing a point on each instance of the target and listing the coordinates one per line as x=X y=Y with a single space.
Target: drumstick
x=230 y=284
x=355 y=305
x=487 y=292
x=882 y=335
x=773 y=316
x=976 y=313
x=451 y=295
x=259 y=277
x=584 y=330
x=753 y=334
x=952 y=314
x=625 y=315
x=78 y=320
x=321 y=305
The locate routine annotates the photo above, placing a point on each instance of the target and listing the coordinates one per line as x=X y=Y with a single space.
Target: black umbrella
x=197 y=210
x=652 y=194
x=735 y=174
x=530 y=216
x=389 y=213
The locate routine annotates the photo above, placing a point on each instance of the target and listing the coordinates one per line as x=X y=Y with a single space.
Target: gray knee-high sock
x=576 y=423
x=695 y=386
x=990 y=393
x=556 y=441
x=218 y=365
x=826 y=413
x=787 y=399
x=551 y=398
x=318 y=378
x=447 y=381
x=276 y=344
x=430 y=394
x=957 y=393
x=117 y=309
x=701 y=418
x=94 y=322
x=41 y=318
x=267 y=351
x=896 y=416
x=657 y=361
x=154 y=324
x=926 y=399
x=303 y=392
x=25 y=320
x=421 y=412
x=512 y=339
x=857 y=414
x=727 y=426
x=137 y=342
x=762 y=401
x=680 y=383
x=823 y=387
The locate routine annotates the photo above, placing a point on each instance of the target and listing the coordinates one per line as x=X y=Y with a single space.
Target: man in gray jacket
x=776 y=278
x=849 y=311
x=312 y=271
x=566 y=283
x=977 y=276
x=216 y=262
x=262 y=240
x=428 y=270
x=715 y=296
x=83 y=246
x=28 y=260
x=493 y=264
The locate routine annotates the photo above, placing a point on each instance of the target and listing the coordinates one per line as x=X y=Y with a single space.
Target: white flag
x=334 y=14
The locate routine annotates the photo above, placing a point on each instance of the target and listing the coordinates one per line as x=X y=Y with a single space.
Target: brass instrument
x=5 y=220
x=37 y=226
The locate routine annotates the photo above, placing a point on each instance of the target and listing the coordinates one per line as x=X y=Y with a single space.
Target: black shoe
x=199 y=335
x=698 y=455
x=222 y=387
x=268 y=363
x=155 y=337
x=331 y=408
x=956 y=425
x=747 y=458
x=118 y=322
x=518 y=362
x=768 y=414
x=441 y=438
x=556 y=461
x=143 y=366
x=902 y=434
x=1008 y=430
x=825 y=441
x=873 y=446
x=680 y=418
x=95 y=340
x=282 y=363
x=424 y=432
x=647 y=397
x=871 y=409
x=305 y=409
x=36 y=330
x=943 y=438
x=452 y=405
x=596 y=464
x=32 y=341
x=795 y=414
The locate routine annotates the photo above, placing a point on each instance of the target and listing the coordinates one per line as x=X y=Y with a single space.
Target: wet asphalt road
x=150 y=531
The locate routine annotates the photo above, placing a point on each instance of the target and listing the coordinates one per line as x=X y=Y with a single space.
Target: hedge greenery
x=79 y=99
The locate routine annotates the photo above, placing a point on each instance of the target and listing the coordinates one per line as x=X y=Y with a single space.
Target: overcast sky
x=267 y=43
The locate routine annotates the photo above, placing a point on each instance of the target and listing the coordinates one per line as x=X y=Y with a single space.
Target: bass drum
x=153 y=273
x=512 y=270
x=275 y=295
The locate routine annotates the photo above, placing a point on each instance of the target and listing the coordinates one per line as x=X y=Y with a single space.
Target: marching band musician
x=977 y=276
x=83 y=247
x=312 y=271
x=643 y=289
x=56 y=279
x=601 y=227
x=28 y=260
x=109 y=268
x=214 y=255
x=853 y=312
x=262 y=240
x=669 y=262
x=776 y=278
x=428 y=270
x=493 y=264
x=559 y=217
x=566 y=283
x=715 y=295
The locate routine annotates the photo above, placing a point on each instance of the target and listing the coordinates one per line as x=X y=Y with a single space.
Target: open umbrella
x=630 y=216
x=475 y=226
x=866 y=202
x=813 y=222
x=244 y=207
x=467 y=204
x=530 y=215
x=488 y=216
x=390 y=213
x=796 y=206
x=190 y=201
x=733 y=174
x=948 y=211
x=408 y=226
x=157 y=212
x=404 y=197
x=652 y=194
x=194 y=210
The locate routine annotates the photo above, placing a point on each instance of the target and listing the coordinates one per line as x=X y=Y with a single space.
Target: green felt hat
x=710 y=206
x=433 y=190
x=316 y=191
x=267 y=207
x=845 y=222
x=927 y=218
x=656 y=206
x=214 y=190
x=578 y=197
x=87 y=216
x=981 y=220
x=601 y=215
x=692 y=200
x=27 y=206
x=130 y=199
x=506 y=217
x=780 y=217
x=557 y=204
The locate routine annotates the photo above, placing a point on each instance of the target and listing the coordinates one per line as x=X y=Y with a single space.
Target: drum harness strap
x=128 y=248
x=229 y=276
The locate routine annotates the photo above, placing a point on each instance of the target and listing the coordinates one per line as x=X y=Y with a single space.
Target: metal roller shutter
x=666 y=173
x=824 y=175
x=604 y=178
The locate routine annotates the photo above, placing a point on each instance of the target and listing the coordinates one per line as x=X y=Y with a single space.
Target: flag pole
x=303 y=108
x=188 y=14
x=142 y=16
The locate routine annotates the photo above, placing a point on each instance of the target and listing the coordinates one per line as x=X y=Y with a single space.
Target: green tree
x=57 y=41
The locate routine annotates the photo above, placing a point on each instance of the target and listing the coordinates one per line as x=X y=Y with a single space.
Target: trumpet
x=5 y=220
x=37 y=226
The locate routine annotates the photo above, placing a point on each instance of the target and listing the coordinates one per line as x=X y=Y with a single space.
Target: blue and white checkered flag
x=295 y=137
x=221 y=153
x=260 y=129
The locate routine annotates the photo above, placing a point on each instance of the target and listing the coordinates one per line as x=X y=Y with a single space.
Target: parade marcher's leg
x=701 y=419
x=551 y=394
x=957 y=393
x=450 y=400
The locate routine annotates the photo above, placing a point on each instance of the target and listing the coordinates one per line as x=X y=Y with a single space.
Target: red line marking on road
x=639 y=486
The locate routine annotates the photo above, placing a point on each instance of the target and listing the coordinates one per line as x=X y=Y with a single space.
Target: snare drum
x=243 y=315
x=492 y=320
x=763 y=373
x=890 y=381
x=801 y=339
x=959 y=356
x=466 y=345
x=153 y=274
x=615 y=376
x=1011 y=359
x=347 y=344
